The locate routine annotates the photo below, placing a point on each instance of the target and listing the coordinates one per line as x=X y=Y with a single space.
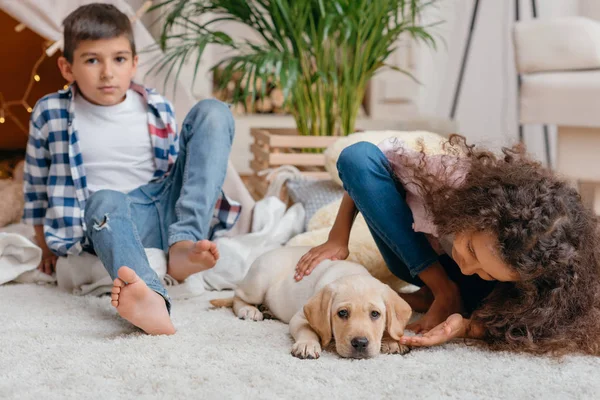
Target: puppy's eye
x=375 y=314
x=343 y=314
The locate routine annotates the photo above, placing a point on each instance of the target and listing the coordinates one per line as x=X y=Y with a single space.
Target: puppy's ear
x=397 y=313
x=318 y=314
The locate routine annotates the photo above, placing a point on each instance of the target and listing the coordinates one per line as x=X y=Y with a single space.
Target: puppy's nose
x=359 y=343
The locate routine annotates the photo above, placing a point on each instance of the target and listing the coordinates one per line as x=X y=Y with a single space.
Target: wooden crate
x=273 y=148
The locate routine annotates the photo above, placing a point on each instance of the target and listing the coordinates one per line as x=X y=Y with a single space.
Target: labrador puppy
x=338 y=301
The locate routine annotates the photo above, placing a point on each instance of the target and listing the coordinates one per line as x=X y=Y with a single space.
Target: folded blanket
x=85 y=275
x=81 y=275
x=17 y=256
x=272 y=227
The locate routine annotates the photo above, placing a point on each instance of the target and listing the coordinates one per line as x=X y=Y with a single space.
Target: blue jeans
x=378 y=195
x=180 y=207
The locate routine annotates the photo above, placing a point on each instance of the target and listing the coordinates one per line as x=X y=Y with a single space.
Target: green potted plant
x=321 y=54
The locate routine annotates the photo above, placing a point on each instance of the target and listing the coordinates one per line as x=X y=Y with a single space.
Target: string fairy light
x=48 y=50
x=6 y=105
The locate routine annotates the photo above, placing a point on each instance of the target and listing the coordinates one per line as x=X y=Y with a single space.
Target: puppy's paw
x=307 y=349
x=250 y=313
x=265 y=312
x=391 y=346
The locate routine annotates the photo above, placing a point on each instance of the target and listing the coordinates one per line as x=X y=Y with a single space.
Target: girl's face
x=475 y=253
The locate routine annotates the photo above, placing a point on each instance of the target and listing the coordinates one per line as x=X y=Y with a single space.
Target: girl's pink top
x=450 y=169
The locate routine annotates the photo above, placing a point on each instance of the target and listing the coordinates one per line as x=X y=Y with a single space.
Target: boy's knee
x=103 y=203
x=210 y=107
x=358 y=158
x=211 y=111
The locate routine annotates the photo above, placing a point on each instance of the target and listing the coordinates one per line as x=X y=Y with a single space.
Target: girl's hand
x=329 y=250
x=455 y=326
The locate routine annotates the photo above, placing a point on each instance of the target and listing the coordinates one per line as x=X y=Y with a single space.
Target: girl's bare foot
x=139 y=304
x=444 y=304
x=419 y=301
x=188 y=257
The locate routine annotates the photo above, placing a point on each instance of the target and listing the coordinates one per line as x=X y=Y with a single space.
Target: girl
x=502 y=250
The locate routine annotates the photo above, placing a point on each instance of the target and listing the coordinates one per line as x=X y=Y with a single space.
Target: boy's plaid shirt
x=55 y=184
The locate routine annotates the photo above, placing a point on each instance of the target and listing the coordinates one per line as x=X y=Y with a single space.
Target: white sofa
x=559 y=63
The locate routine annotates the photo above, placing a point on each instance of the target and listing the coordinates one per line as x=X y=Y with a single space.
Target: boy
x=106 y=172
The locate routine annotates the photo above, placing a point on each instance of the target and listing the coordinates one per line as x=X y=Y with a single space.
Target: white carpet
x=55 y=345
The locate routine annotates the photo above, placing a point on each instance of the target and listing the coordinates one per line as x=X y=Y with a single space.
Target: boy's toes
x=127 y=275
x=203 y=245
x=118 y=283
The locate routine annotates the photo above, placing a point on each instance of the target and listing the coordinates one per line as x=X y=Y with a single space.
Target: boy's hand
x=455 y=326
x=327 y=251
x=48 y=263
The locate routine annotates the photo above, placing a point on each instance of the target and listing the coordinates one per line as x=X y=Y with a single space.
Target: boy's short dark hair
x=93 y=22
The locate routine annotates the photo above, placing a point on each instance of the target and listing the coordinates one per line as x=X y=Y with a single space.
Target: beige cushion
x=362 y=247
x=561 y=98
x=577 y=153
x=431 y=141
x=558 y=44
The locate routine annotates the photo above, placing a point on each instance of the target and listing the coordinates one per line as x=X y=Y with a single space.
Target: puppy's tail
x=226 y=302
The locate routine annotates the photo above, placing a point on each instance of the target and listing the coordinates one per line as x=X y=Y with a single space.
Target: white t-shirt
x=115 y=143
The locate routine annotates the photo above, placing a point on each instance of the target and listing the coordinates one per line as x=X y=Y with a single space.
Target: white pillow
x=558 y=44
x=432 y=143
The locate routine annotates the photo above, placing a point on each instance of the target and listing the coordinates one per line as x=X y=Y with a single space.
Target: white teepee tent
x=45 y=18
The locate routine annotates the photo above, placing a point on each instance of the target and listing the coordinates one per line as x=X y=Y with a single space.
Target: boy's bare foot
x=419 y=301
x=188 y=257
x=139 y=304
x=444 y=304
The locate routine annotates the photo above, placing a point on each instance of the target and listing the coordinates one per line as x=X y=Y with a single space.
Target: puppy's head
x=355 y=311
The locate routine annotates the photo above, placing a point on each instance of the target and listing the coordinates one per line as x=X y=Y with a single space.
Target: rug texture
x=58 y=346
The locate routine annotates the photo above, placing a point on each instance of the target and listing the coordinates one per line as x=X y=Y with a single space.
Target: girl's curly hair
x=544 y=232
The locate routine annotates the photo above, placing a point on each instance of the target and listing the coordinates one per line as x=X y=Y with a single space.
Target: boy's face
x=103 y=69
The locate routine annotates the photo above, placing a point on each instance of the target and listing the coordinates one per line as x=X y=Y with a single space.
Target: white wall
x=590 y=8
x=487 y=108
